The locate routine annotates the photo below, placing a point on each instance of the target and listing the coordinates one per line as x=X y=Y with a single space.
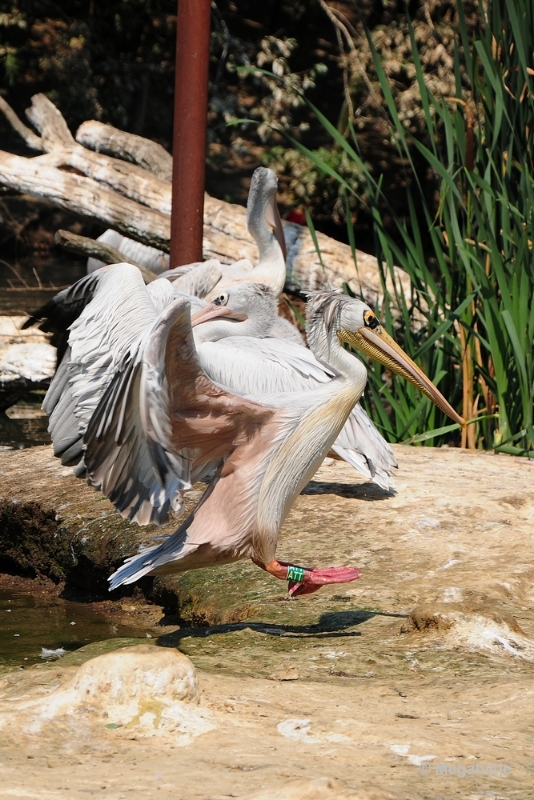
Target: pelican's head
x=263 y=218
x=356 y=324
x=243 y=309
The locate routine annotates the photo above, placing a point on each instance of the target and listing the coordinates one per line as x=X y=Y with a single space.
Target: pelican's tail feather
x=133 y=568
x=158 y=559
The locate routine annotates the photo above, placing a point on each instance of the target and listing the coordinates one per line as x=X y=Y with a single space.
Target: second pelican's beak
x=211 y=311
x=273 y=218
x=375 y=342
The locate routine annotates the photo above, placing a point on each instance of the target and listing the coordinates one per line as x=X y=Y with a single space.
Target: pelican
x=265 y=226
x=232 y=350
x=236 y=349
x=266 y=447
x=208 y=278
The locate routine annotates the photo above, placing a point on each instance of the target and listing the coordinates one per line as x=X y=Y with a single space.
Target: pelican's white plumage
x=267 y=446
x=265 y=226
x=130 y=464
x=274 y=365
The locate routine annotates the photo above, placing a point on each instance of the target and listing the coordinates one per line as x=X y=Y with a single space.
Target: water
x=29 y=623
x=24 y=425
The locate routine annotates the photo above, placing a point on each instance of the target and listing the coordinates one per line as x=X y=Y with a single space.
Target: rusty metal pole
x=189 y=137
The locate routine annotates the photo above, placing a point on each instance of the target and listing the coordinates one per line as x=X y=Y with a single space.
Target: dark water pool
x=24 y=425
x=34 y=625
x=31 y=627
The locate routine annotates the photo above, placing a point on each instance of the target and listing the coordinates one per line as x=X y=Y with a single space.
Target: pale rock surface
x=475 y=627
x=320 y=789
x=146 y=688
x=412 y=681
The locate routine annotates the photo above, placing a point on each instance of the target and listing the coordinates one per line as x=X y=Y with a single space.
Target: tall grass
x=472 y=263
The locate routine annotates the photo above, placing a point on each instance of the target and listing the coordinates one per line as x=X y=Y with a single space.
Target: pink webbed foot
x=305 y=581
x=313 y=579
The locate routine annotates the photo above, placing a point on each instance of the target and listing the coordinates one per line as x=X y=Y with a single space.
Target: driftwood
x=132 y=194
x=128 y=146
x=85 y=196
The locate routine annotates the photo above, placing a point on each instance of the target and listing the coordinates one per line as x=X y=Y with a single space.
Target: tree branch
x=31 y=139
x=128 y=146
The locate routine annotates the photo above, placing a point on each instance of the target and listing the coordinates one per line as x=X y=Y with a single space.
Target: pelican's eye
x=371 y=320
x=221 y=300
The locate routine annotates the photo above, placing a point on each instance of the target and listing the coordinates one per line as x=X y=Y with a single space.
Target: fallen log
x=85 y=196
x=128 y=146
x=129 y=180
x=125 y=183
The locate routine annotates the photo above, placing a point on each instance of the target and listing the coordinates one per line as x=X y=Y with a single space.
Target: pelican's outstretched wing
x=361 y=445
x=57 y=315
x=63 y=426
x=119 y=313
x=263 y=366
x=162 y=424
x=143 y=482
x=106 y=312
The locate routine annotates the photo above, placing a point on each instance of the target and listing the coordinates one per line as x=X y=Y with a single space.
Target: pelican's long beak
x=378 y=344
x=211 y=311
x=273 y=218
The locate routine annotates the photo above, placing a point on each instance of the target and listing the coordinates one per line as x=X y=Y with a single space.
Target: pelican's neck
x=326 y=347
x=271 y=268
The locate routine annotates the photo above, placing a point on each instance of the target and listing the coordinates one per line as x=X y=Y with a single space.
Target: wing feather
x=199 y=279
x=106 y=311
x=103 y=334
x=119 y=458
x=162 y=423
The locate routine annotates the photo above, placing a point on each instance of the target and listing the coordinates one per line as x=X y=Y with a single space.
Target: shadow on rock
x=330 y=625
x=357 y=491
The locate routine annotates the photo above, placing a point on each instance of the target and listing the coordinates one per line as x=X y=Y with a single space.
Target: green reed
x=469 y=318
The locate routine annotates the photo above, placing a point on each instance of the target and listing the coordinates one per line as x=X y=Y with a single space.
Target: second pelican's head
x=243 y=309
x=353 y=322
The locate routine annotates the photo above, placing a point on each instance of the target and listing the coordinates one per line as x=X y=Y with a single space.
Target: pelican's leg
x=303 y=580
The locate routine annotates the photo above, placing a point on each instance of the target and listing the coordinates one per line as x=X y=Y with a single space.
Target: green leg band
x=295 y=574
